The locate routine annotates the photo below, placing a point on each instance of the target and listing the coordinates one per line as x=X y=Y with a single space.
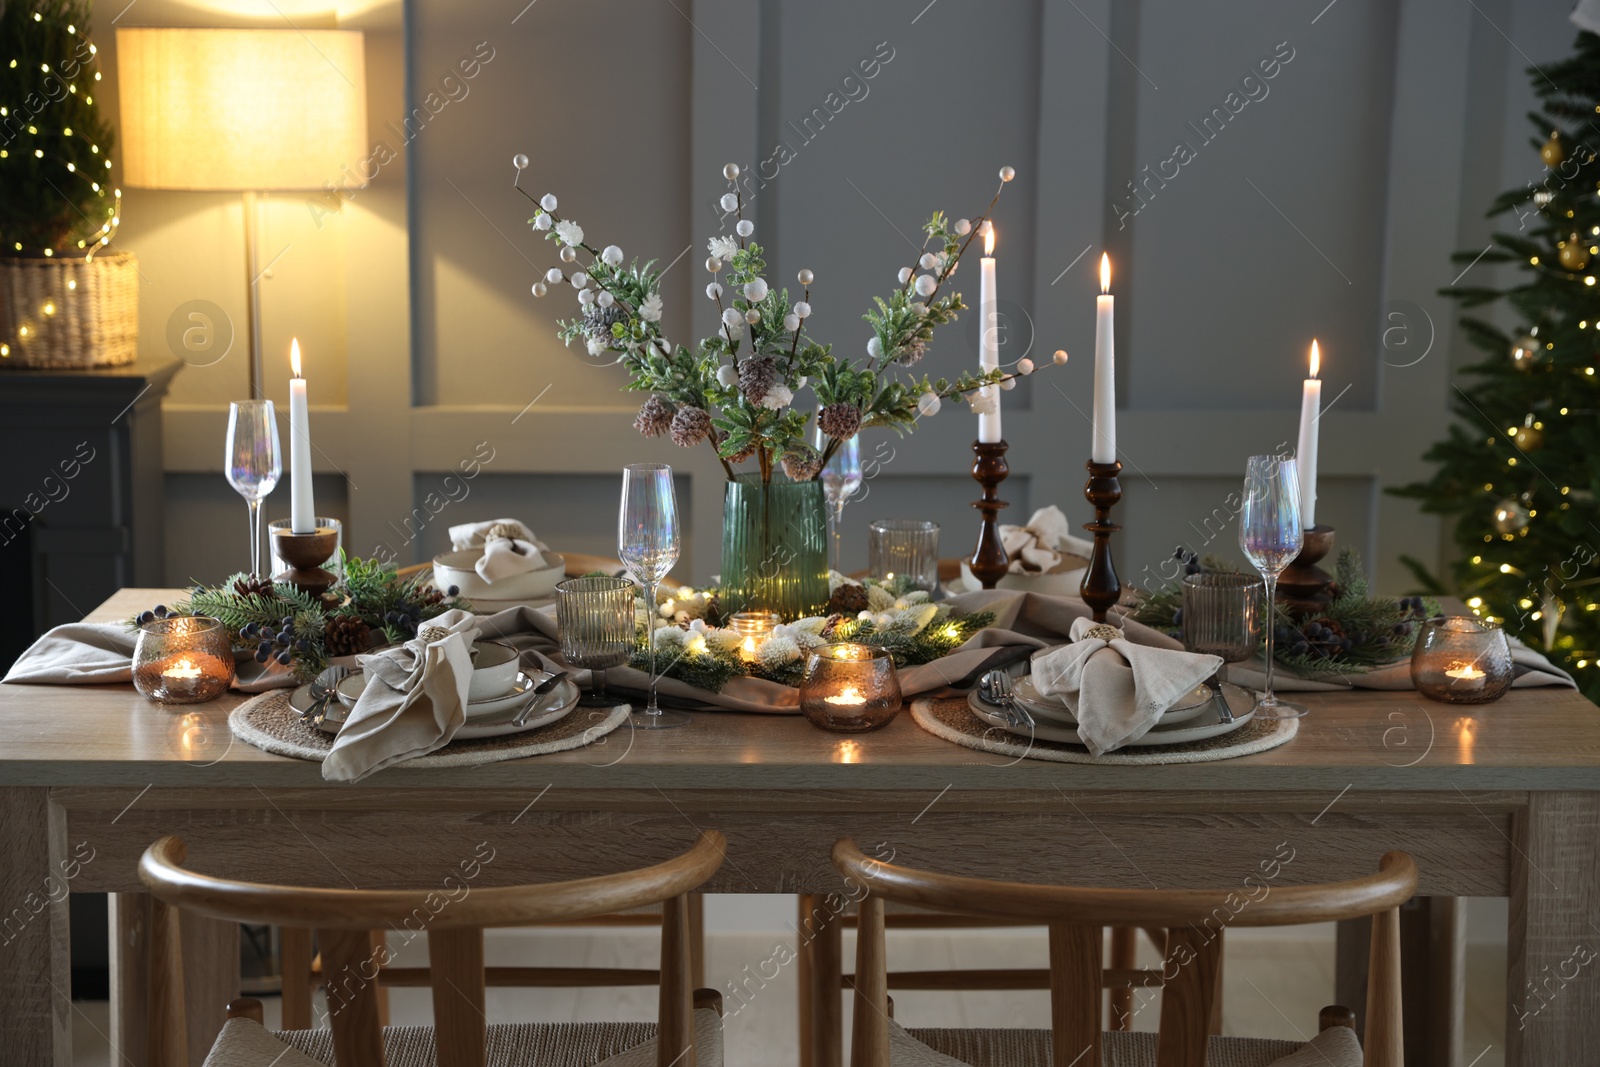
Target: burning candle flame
x=1316 y=358
x=294 y=357
x=1105 y=273
x=988 y=238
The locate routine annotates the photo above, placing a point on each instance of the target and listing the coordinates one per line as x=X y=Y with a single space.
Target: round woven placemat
x=268 y=723
x=952 y=719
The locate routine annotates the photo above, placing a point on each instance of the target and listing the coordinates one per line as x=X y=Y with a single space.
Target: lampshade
x=241 y=109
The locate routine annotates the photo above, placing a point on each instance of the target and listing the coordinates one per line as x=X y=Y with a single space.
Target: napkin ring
x=500 y=531
x=1101 y=632
x=429 y=634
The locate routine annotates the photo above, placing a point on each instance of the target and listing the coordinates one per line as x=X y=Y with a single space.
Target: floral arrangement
x=1356 y=632
x=370 y=606
x=692 y=648
x=737 y=389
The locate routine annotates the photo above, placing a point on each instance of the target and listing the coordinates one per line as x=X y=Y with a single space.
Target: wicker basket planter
x=69 y=313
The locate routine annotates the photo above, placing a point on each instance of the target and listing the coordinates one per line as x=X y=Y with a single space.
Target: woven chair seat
x=244 y=1043
x=1334 y=1047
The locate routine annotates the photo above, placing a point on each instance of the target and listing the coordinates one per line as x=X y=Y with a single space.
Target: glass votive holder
x=849 y=688
x=904 y=548
x=334 y=564
x=753 y=627
x=1459 y=659
x=184 y=659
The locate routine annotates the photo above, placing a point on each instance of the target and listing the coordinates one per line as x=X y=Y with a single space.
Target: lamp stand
x=253 y=278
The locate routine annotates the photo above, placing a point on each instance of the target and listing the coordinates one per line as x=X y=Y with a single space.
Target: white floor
x=1274 y=984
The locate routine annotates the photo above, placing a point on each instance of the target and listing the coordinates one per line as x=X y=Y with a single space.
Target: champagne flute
x=840 y=480
x=1271 y=537
x=254 y=462
x=648 y=545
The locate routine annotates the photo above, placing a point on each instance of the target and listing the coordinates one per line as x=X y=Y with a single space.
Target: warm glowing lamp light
x=242 y=110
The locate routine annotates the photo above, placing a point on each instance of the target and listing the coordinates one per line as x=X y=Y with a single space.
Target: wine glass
x=1271 y=537
x=254 y=462
x=840 y=480
x=648 y=545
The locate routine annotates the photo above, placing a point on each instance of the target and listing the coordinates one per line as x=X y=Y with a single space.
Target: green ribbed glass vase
x=774 y=547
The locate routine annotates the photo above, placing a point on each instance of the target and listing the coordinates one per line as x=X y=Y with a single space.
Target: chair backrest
x=1076 y=918
x=344 y=918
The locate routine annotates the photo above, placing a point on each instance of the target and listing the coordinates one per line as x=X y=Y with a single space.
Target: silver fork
x=998 y=683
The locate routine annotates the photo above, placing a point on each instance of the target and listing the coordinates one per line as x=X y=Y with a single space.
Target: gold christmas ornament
x=1526 y=352
x=1529 y=436
x=1510 y=517
x=1553 y=152
x=1574 y=255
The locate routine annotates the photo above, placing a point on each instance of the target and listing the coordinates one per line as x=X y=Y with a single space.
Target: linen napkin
x=509 y=548
x=413 y=703
x=1122 y=688
x=101 y=653
x=1037 y=547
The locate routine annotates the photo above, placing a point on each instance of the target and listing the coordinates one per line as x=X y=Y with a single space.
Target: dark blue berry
x=1177 y=617
x=284 y=658
x=1300 y=648
x=146 y=616
x=302 y=645
x=160 y=610
x=454 y=590
x=261 y=654
x=287 y=620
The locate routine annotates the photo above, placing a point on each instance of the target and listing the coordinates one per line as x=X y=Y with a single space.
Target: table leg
x=35 y=956
x=821 y=970
x=1553 y=950
x=211 y=978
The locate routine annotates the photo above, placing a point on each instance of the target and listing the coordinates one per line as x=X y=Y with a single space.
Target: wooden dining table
x=1495 y=800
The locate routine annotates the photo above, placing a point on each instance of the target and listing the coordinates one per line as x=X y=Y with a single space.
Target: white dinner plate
x=1062 y=709
x=1206 y=725
x=553 y=706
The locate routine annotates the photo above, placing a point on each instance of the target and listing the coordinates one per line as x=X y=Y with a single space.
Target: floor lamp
x=242 y=110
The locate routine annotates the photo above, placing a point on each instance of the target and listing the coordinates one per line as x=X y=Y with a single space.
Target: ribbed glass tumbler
x=595 y=618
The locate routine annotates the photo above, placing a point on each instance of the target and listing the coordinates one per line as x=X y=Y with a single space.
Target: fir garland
x=899 y=619
x=280 y=622
x=1356 y=632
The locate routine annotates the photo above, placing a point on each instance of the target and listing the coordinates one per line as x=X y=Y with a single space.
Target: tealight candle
x=849 y=688
x=1461 y=660
x=753 y=627
x=184 y=659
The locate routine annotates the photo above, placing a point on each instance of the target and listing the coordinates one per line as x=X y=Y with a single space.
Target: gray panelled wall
x=1261 y=173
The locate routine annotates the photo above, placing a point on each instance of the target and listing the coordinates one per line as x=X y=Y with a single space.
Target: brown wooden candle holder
x=989 y=561
x=1303 y=587
x=1101 y=588
x=305 y=553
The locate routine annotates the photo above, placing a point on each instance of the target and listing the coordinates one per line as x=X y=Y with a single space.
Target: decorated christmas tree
x=57 y=197
x=1520 y=469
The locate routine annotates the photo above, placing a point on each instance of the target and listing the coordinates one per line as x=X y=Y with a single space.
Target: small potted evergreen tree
x=66 y=298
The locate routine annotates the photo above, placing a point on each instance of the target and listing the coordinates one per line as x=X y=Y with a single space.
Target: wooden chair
x=302 y=969
x=688 y=1029
x=1077 y=917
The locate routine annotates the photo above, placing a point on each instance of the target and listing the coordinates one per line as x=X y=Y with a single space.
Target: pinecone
x=802 y=464
x=690 y=426
x=346 y=635
x=840 y=421
x=597 y=321
x=848 y=600
x=756 y=377
x=250 y=585
x=911 y=353
x=743 y=454
x=655 y=418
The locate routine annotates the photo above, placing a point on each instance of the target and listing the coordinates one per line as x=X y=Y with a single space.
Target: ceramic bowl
x=494 y=670
x=456 y=568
